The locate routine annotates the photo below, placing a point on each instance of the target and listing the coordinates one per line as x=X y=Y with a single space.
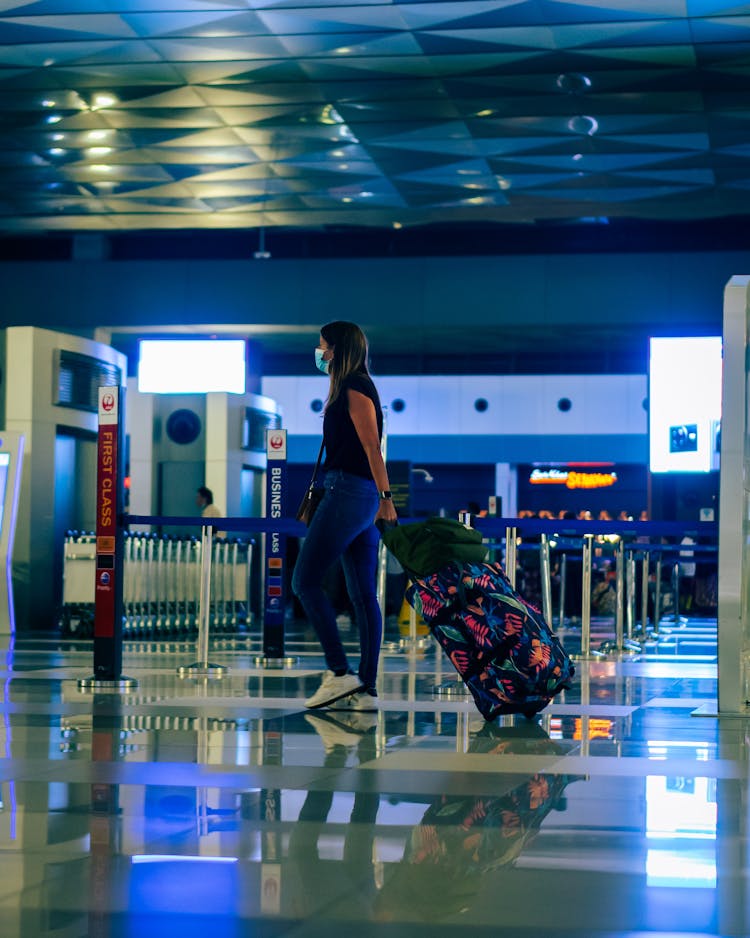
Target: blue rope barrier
x=491 y=528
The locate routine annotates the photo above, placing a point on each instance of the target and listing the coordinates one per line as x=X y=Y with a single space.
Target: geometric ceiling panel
x=304 y=113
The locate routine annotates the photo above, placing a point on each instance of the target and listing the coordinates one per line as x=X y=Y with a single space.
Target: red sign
x=106 y=518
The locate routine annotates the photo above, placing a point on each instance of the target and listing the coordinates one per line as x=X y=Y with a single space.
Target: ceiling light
x=101 y=167
x=346 y=199
x=58 y=136
x=56 y=151
x=397 y=225
x=102 y=100
x=344 y=50
x=469 y=172
x=97 y=134
x=485 y=113
x=98 y=151
x=329 y=115
x=338 y=153
x=583 y=124
x=343 y=166
x=503 y=182
x=366 y=195
x=48 y=103
x=577 y=156
x=54 y=119
x=573 y=83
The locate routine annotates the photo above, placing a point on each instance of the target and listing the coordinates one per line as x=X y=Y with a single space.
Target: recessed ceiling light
x=54 y=119
x=583 y=124
x=97 y=134
x=98 y=151
x=56 y=151
x=573 y=82
x=48 y=102
x=102 y=100
x=485 y=113
x=101 y=167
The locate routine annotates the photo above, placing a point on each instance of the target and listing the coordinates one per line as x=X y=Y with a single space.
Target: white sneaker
x=333 y=688
x=360 y=701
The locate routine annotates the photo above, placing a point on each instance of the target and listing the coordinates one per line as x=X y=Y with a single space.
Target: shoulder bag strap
x=317 y=464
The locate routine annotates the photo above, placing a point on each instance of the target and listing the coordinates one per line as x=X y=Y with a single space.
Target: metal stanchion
x=451 y=688
x=381 y=578
x=657 y=594
x=644 y=595
x=563 y=577
x=675 y=620
x=621 y=645
x=511 y=541
x=462 y=732
x=620 y=607
x=630 y=592
x=544 y=565
x=585 y=652
x=202 y=668
x=413 y=642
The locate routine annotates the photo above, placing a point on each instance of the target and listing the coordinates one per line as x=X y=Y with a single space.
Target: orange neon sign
x=572 y=480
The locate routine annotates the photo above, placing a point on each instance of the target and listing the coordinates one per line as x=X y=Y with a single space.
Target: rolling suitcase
x=500 y=644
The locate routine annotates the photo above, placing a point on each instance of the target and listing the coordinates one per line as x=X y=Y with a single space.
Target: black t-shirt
x=343 y=448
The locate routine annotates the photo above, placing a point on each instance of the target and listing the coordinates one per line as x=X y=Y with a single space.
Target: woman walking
x=357 y=493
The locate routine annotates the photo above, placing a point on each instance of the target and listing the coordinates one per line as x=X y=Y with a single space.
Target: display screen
x=684 y=380
x=191 y=366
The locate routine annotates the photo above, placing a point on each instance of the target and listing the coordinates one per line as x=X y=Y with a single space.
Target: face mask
x=320 y=363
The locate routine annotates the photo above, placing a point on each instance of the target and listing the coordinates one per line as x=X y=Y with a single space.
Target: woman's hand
x=386 y=511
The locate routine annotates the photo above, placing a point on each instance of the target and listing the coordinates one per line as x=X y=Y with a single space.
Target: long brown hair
x=350 y=353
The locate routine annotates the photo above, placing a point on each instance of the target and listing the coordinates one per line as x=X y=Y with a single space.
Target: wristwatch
x=385 y=493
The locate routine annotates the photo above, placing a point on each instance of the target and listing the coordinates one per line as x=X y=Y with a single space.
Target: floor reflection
x=226 y=809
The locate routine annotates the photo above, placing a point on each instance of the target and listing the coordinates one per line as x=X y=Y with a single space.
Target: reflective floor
x=219 y=807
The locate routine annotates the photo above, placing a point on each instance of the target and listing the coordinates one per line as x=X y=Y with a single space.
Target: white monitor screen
x=684 y=379
x=191 y=366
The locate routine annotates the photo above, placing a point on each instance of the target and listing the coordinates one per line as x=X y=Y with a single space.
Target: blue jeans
x=343 y=527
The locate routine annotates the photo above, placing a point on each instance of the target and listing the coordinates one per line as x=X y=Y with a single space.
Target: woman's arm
x=362 y=412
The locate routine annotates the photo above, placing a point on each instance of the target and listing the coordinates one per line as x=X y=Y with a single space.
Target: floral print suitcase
x=505 y=652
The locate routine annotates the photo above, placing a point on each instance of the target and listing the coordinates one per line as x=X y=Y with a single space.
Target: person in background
x=357 y=494
x=204 y=499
